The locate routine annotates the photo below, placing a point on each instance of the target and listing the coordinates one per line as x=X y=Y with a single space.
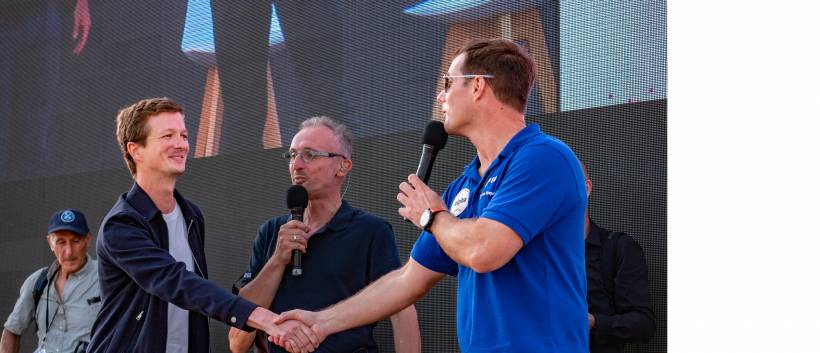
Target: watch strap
x=433 y=212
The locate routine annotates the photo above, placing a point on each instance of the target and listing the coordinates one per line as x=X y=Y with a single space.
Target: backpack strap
x=37 y=291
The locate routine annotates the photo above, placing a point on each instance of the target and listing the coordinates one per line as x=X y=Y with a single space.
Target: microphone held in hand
x=297 y=201
x=434 y=140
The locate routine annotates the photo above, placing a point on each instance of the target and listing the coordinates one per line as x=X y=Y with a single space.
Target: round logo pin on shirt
x=460 y=202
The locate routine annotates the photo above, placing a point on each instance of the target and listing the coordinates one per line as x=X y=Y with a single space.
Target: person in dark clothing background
x=617 y=288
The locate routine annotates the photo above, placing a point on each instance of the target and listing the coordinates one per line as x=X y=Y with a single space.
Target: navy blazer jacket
x=139 y=277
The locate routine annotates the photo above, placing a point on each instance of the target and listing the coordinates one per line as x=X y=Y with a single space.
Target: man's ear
x=344 y=167
x=50 y=243
x=480 y=87
x=133 y=149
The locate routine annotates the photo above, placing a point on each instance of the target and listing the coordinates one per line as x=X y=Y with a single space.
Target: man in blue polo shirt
x=513 y=233
x=344 y=249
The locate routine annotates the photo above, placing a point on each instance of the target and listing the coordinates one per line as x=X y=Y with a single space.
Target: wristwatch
x=426 y=219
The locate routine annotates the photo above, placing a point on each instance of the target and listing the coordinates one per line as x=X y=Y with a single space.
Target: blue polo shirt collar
x=529 y=132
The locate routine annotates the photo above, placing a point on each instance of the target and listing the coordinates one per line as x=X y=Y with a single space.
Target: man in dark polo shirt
x=344 y=249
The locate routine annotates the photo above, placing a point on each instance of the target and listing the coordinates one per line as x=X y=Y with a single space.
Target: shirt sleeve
x=23 y=313
x=383 y=254
x=633 y=320
x=539 y=188
x=263 y=247
x=259 y=253
x=429 y=254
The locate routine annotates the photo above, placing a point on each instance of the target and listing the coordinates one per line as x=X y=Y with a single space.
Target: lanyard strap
x=48 y=289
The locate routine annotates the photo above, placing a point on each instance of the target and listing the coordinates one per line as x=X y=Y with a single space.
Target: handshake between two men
x=289 y=332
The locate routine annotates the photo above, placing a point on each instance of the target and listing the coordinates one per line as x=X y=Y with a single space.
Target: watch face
x=425 y=218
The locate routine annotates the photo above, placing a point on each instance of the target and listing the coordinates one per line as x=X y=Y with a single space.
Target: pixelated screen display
x=248 y=72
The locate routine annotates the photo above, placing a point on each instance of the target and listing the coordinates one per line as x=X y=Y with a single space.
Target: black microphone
x=434 y=139
x=297 y=201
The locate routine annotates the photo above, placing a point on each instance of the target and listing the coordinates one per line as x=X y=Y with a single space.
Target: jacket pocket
x=125 y=335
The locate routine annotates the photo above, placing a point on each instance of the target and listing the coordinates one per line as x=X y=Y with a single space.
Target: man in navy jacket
x=150 y=249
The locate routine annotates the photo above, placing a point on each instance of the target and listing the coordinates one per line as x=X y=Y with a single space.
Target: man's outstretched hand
x=298 y=338
x=293 y=335
x=296 y=322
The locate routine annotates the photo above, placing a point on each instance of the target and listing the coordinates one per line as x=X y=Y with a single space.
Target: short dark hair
x=512 y=69
x=132 y=127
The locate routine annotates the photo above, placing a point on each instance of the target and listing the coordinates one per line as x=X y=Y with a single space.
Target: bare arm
x=390 y=294
x=267 y=282
x=9 y=342
x=263 y=288
x=406 y=335
x=240 y=341
x=481 y=244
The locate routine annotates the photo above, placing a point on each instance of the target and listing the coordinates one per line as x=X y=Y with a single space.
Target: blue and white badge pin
x=67 y=216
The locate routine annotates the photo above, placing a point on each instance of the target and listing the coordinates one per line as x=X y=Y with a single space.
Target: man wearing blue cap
x=62 y=299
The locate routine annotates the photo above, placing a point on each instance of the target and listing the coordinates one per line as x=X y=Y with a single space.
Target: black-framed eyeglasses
x=308 y=155
x=448 y=80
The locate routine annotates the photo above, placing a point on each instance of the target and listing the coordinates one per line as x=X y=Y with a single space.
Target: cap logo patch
x=67 y=216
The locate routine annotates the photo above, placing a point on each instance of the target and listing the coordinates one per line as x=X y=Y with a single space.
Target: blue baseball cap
x=70 y=220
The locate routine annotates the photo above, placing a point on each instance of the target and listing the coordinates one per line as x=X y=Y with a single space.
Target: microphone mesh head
x=297 y=197
x=434 y=135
